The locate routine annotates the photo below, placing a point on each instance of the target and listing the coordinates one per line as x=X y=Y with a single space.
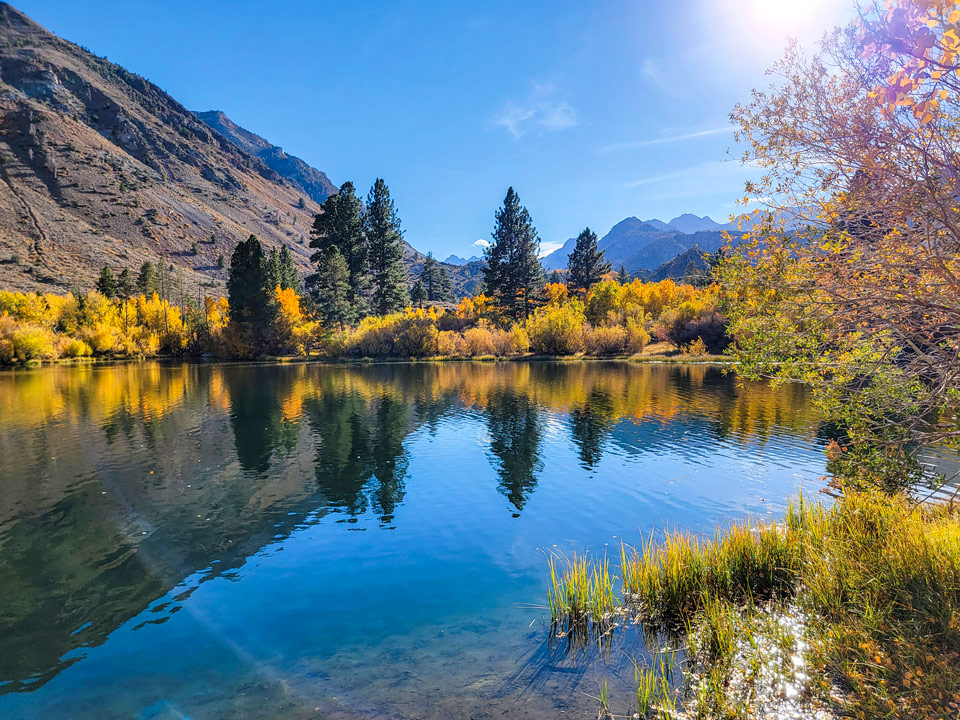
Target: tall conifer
x=340 y=227
x=586 y=264
x=513 y=272
x=385 y=247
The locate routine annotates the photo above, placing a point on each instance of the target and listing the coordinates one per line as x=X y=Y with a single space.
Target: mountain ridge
x=99 y=166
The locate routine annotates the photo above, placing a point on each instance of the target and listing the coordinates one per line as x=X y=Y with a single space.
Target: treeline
x=356 y=304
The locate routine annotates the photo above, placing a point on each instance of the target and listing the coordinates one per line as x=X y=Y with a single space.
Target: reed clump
x=871 y=589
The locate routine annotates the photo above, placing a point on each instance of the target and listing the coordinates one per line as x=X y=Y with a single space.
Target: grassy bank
x=852 y=610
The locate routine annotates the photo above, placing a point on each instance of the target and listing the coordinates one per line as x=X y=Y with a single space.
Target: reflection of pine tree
x=514 y=425
x=256 y=417
x=359 y=441
x=391 y=422
x=343 y=464
x=590 y=426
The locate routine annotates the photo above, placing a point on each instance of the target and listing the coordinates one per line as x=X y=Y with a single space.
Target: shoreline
x=639 y=359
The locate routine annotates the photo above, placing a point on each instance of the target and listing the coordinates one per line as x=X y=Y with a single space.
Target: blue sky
x=592 y=111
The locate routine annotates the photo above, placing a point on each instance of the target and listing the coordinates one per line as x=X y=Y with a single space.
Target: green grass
x=855 y=608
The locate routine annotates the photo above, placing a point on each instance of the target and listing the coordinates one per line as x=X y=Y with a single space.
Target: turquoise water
x=214 y=541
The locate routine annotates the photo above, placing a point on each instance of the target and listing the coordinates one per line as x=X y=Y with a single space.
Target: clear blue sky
x=593 y=111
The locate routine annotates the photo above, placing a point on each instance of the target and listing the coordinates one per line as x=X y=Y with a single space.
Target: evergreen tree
x=586 y=264
x=125 y=284
x=221 y=261
x=418 y=293
x=289 y=277
x=332 y=290
x=340 y=227
x=251 y=304
x=513 y=273
x=428 y=275
x=281 y=271
x=444 y=289
x=106 y=283
x=194 y=249
x=385 y=248
x=147 y=279
x=555 y=277
x=622 y=276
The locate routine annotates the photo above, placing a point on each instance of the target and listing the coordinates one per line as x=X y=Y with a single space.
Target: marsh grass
x=853 y=609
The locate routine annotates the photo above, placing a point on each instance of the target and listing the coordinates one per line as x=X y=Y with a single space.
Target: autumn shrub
x=605 y=340
x=449 y=343
x=74 y=348
x=102 y=338
x=478 y=341
x=418 y=334
x=557 y=330
x=31 y=342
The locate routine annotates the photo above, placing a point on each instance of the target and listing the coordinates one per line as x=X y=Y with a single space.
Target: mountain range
x=99 y=166
x=644 y=246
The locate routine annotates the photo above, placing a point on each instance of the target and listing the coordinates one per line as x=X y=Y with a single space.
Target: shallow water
x=214 y=541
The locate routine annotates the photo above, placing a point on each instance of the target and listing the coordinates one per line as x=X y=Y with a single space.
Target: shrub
x=557 y=330
x=478 y=341
x=74 y=347
x=449 y=343
x=33 y=343
x=102 y=338
x=418 y=337
x=605 y=340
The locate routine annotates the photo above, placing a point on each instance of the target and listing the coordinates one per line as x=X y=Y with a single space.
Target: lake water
x=276 y=541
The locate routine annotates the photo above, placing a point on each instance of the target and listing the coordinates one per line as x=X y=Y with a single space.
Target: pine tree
x=332 y=290
x=147 y=279
x=194 y=249
x=289 y=276
x=513 y=272
x=555 y=277
x=251 y=306
x=106 y=283
x=221 y=261
x=586 y=264
x=340 y=227
x=622 y=276
x=444 y=290
x=418 y=293
x=281 y=271
x=385 y=247
x=125 y=284
x=428 y=275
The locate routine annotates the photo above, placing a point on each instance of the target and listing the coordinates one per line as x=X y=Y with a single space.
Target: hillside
x=311 y=182
x=100 y=166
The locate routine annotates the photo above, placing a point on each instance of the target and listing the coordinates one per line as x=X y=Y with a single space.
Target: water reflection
x=123 y=489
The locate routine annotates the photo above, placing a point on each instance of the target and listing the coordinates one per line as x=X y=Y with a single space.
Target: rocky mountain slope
x=310 y=181
x=100 y=166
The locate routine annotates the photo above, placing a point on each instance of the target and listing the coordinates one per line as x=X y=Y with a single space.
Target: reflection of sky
x=362 y=617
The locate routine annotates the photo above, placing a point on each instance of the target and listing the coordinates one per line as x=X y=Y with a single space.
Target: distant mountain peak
x=689 y=223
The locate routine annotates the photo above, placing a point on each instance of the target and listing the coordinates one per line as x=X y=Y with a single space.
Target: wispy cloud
x=666 y=139
x=541 y=109
x=706 y=171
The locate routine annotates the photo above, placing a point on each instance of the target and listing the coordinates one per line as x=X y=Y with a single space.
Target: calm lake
x=276 y=541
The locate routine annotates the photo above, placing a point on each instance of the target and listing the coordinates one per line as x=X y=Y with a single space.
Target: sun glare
x=762 y=27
